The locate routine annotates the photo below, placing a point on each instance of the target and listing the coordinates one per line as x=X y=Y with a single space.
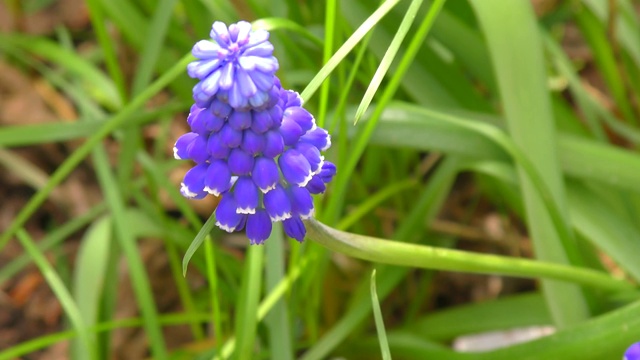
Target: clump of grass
x=440 y=91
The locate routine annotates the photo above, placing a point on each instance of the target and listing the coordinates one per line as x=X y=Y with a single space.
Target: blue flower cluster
x=633 y=352
x=252 y=141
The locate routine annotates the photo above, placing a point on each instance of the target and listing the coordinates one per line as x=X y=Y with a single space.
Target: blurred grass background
x=491 y=126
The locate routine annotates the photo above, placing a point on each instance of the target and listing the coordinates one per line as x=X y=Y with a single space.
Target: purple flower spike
x=245 y=83
x=265 y=174
x=258 y=227
x=238 y=61
x=291 y=98
x=252 y=141
x=300 y=116
x=316 y=185
x=327 y=172
x=218 y=178
x=301 y=201
x=247 y=195
x=240 y=162
x=633 y=352
x=230 y=137
x=274 y=145
x=181 y=148
x=290 y=131
x=205 y=122
x=294 y=228
x=240 y=120
x=193 y=112
x=262 y=122
x=295 y=167
x=276 y=114
x=216 y=148
x=317 y=137
x=277 y=204
x=193 y=183
x=220 y=109
x=312 y=154
x=197 y=150
x=220 y=33
x=226 y=217
x=200 y=97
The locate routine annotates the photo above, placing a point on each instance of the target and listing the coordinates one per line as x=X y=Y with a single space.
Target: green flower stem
x=428 y=257
x=83 y=151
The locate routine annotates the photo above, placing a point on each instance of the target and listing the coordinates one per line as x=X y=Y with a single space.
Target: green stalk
x=330 y=25
x=515 y=47
x=212 y=277
x=277 y=321
x=247 y=304
x=377 y=314
x=429 y=257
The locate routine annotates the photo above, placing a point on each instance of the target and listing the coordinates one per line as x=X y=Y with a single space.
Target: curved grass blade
x=377 y=314
x=427 y=257
x=274 y=23
x=199 y=239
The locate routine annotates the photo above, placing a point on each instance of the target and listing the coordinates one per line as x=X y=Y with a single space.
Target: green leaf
x=427 y=257
x=388 y=58
x=199 y=239
x=89 y=272
x=247 y=304
x=377 y=314
x=503 y=313
x=348 y=45
x=516 y=51
x=62 y=294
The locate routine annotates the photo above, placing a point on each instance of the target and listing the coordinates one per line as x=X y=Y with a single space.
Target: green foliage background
x=480 y=87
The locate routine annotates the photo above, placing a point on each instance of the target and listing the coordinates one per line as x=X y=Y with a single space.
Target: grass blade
x=277 y=321
x=248 y=299
x=199 y=239
x=362 y=140
x=127 y=241
x=427 y=257
x=388 y=58
x=90 y=269
x=348 y=45
x=62 y=294
x=377 y=313
x=512 y=36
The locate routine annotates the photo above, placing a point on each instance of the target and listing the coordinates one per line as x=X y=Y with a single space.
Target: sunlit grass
x=458 y=82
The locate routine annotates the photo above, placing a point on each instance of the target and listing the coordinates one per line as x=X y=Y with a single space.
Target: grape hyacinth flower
x=251 y=140
x=633 y=352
